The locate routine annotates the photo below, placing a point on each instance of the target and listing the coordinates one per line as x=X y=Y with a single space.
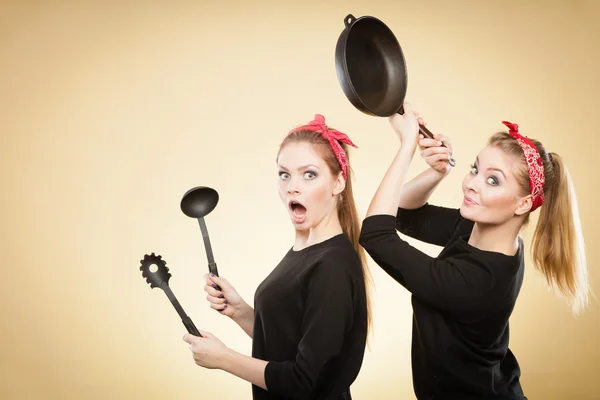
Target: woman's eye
x=474 y=169
x=284 y=175
x=492 y=181
x=310 y=175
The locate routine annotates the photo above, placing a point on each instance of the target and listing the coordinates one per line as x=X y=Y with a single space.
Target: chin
x=468 y=213
x=300 y=226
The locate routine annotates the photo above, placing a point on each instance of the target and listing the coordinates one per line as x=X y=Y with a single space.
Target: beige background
x=110 y=111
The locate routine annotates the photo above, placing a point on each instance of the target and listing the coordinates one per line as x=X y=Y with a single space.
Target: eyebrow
x=303 y=167
x=491 y=168
x=499 y=170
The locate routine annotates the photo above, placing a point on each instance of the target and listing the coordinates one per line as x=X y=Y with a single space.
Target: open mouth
x=298 y=210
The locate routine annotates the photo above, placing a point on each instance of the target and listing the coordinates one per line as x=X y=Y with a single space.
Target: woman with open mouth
x=311 y=314
x=463 y=298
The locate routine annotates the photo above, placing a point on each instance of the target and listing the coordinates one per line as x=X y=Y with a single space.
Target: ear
x=524 y=205
x=339 y=185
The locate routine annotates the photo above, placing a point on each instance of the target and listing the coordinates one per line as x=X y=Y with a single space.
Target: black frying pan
x=371 y=69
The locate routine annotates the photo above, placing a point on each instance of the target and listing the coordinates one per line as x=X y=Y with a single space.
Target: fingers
x=212 y=291
x=222 y=282
x=216 y=300
x=430 y=151
x=440 y=157
x=206 y=335
x=191 y=339
x=427 y=142
x=218 y=307
x=435 y=159
x=446 y=142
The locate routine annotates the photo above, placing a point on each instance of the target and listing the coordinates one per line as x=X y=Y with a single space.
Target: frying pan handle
x=422 y=130
x=427 y=133
x=349 y=20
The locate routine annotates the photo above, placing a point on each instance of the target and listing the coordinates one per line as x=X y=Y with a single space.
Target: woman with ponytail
x=311 y=314
x=463 y=298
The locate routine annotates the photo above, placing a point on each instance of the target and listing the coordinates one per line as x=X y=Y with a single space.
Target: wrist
x=439 y=175
x=226 y=359
x=243 y=313
x=407 y=149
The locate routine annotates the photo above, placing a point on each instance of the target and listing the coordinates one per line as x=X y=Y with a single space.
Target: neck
x=497 y=238
x=326 y=228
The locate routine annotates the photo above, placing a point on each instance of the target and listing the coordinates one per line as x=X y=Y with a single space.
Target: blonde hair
x=347 y=210
x=558 y=247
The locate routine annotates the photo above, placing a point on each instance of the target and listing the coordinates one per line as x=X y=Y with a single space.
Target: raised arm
x=417 y=192
x=429 y=223
x=449 y=284
x=442 y=283
x=408 y=201
x=390 y=191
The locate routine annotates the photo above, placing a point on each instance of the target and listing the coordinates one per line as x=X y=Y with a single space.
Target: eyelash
x=494 y=180
x=314 y=174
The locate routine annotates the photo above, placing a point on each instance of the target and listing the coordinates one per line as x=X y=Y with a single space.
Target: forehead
x=494 y=157
x=296 y=154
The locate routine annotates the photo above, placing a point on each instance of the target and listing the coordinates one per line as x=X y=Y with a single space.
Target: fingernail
x=214 y=285
x=221 y=296
x=225 y=302
x=211 y=274
x=225 y=306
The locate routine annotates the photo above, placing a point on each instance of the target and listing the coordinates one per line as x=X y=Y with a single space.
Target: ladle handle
x=212 y=265
x=427 y=133
x=212 y=268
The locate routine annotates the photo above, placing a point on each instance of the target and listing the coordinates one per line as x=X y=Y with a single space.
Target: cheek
x=465 y=182
x=281 y=188
x=320 y=194
x=496 y=198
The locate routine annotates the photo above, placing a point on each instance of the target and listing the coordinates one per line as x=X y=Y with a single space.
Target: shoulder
x=496 y=267
x=337 y=258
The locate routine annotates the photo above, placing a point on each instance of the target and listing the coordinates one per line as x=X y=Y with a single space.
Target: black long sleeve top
x=311 y=323
x=462 y=300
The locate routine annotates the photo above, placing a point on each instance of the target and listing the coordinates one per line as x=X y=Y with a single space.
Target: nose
x=472 y=184
x=292 y=186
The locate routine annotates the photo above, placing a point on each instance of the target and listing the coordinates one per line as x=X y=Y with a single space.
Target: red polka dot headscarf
x=334 y=138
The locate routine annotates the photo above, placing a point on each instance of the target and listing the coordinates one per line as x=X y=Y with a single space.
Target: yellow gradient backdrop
x=111 y=111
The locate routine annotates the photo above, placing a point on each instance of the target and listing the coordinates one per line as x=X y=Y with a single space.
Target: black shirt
x=310 y=323
x=462 y=301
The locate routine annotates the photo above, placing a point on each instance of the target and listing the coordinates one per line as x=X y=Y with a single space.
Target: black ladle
x=197 y=203
x=160 y=278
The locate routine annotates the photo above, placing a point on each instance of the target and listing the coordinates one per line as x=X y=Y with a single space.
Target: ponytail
x=350 y=222
x=558 y=247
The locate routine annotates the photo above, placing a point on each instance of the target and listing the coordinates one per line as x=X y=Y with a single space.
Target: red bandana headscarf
x=535 y=165
x=334 y=138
